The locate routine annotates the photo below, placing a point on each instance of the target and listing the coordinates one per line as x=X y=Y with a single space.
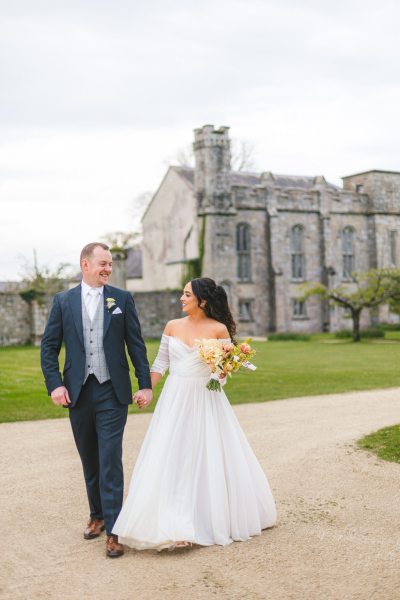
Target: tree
x=40 y=281
x=242 y=155
x=394 y=302
x=368 y=290
x=119 y=241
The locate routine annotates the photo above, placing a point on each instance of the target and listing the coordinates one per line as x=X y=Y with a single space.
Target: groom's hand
x=143 y=398
x=60 y=396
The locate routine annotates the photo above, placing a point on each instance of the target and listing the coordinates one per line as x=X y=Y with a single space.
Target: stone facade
x=170 y=235
x=263 y=235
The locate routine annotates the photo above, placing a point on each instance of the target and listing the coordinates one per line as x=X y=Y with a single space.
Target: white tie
x=92 y=301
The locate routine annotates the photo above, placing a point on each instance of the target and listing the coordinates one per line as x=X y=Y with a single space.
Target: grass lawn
x=385 y=443
x=285 y=370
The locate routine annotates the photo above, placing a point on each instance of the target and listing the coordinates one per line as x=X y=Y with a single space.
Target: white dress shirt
x=91 y=297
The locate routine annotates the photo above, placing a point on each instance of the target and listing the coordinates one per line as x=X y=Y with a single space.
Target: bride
x=196 y=479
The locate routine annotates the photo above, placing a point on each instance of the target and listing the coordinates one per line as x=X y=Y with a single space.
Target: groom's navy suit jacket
x=65 y=325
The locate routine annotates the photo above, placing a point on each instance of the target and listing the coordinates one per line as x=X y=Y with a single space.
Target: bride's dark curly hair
x=216 y=302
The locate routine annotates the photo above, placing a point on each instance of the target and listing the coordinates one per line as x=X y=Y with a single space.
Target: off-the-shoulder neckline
x=174 y=337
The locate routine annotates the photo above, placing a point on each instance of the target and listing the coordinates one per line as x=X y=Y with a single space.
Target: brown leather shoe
x=93 y=529
x=113 y=547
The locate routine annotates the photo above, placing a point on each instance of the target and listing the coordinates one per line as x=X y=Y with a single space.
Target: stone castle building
x=262 y=235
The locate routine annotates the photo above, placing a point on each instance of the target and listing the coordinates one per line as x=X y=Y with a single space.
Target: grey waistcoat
x=93 y=338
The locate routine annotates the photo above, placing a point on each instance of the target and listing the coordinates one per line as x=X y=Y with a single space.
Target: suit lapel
x=75 y=301
x=107 y=314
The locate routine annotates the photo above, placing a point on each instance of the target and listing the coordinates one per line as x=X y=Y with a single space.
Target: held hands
x=60 y=396
x=143 y=397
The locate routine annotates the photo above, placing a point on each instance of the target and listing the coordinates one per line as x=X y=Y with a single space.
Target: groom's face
x=97 y=269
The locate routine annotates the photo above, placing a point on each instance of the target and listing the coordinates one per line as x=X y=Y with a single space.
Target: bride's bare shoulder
x=221 y=331
x=172 y=326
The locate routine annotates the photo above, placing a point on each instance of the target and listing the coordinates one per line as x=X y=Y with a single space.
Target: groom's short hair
x=87 y=250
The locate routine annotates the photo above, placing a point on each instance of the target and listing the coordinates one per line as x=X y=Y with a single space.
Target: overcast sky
x=96 y=95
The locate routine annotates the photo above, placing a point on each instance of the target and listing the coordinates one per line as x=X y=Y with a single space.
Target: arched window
x=297 y=252
x=243 y=252
x=348 y=252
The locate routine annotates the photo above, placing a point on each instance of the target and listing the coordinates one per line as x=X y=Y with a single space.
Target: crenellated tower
x=212 y=151
x=215 y=208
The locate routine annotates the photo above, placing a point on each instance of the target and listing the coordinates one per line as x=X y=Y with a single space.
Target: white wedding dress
x=196 y=478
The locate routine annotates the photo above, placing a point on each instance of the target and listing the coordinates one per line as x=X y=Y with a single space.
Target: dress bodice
x=180 y=359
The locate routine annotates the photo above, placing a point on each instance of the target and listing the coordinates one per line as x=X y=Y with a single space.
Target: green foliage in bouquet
x=225 y=358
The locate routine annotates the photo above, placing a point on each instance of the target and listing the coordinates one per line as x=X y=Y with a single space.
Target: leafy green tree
x=394 y=301
x=367 y=290
x=42 y=281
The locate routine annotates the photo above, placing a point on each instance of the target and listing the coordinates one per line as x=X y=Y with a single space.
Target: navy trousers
x=98 y=422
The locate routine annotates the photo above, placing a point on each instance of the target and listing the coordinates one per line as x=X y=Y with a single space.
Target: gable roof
x=187 y=173
x=301 y=181
x=249 y=179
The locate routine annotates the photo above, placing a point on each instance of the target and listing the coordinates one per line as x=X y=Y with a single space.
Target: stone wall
x=15 y=319
x=21 y=323
x=155 y=309
x=39 y=316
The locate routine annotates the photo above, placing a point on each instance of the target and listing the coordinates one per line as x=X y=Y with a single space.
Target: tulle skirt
x=196 y=478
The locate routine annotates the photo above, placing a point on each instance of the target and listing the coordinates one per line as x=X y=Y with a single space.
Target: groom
x=95 y=321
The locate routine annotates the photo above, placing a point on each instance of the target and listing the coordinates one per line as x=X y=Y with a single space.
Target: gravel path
x=338 y=535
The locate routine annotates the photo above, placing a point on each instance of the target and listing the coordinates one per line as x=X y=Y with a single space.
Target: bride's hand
x=222 y=378
x=143 y=398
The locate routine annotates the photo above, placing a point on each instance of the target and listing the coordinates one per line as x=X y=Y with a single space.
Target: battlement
x=382 y=187
x=208 y=136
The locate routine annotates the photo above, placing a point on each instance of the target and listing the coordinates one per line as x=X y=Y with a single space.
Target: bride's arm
x=161 y=363
x=155 y=378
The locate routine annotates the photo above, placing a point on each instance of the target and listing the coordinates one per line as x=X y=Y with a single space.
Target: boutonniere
x=110 y=303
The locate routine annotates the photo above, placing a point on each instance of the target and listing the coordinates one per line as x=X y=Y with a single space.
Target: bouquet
x=224 y=358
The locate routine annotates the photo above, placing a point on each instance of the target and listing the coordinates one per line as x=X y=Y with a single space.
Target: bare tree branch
x=242 y=156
